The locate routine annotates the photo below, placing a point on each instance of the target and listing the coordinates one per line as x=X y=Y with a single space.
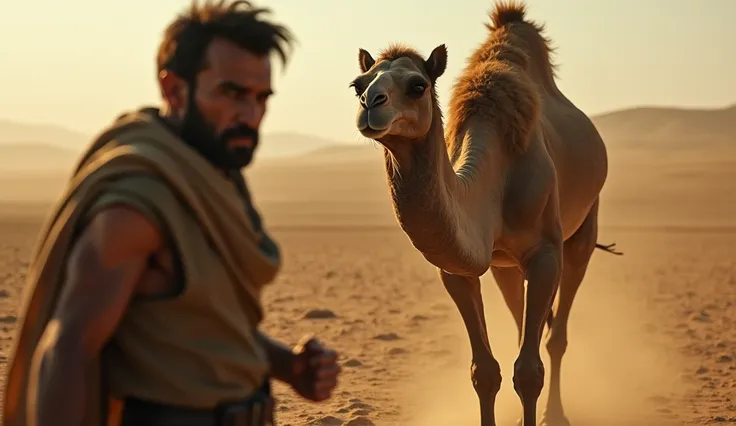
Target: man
x=143 y=299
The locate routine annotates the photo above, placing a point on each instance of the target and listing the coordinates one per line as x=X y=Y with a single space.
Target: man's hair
x=185 y=40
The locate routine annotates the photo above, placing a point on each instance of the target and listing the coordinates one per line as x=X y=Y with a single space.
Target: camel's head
x=396 y=92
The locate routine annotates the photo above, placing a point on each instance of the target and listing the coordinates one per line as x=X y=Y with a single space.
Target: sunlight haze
x=79 y=63
x=375 y=233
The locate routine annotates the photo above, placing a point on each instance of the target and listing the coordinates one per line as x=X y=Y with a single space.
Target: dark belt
x=254 y=411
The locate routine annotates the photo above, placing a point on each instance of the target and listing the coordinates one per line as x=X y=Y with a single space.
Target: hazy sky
x=78 y=63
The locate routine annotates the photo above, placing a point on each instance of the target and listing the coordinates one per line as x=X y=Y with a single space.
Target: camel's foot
x=554 y=420
x=528 y=383
x=485 y=374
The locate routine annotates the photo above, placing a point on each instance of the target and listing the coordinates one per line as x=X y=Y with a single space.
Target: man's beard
x=201 y=136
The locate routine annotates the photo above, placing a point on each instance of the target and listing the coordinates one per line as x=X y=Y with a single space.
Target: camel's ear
x=437 y=62
x=365 y=60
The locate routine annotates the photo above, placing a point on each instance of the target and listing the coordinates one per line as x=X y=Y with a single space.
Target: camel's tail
x=609 y=248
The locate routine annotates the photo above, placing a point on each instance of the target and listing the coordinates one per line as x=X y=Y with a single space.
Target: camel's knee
x=486 y=376
x=557 y=342
x=528 y=376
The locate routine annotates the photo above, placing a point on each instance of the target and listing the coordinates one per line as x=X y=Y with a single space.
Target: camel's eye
x=417 y=88
x=358 y=89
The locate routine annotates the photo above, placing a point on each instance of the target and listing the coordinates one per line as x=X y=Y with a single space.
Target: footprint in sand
x=725 y=358
x=346 y=331
x=8 y=319
x=359 y=412
x=440 y=307
x=701 y=316
x=360 y=421
x=380 y=370
x=284 y=299
x=327 y=421
x=440 y=353
x=387 y=337
x=356 y=406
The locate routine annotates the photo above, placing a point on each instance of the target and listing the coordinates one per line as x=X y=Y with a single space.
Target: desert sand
x=652 y=333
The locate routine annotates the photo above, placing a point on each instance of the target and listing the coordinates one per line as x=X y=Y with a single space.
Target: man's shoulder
x=140 y=194
x=132 y=129
x=126 y=229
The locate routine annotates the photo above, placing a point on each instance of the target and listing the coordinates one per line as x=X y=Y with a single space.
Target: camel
x=511 y=185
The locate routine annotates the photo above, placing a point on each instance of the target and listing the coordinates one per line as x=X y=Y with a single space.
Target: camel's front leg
x=485 y=371
x=542 y=270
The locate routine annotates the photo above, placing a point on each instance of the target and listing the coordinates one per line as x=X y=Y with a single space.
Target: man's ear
x=436 y=63
x=174 y=90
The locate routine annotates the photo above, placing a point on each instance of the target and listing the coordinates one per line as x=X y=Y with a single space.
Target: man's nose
x=250 y=114
x=373 y=97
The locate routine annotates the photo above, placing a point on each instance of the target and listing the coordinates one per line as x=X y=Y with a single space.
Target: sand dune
x=31 y=159
x=658 y=128
x=653 y=333
x=50 y=147
x=669 y=128
x=653 y=169
x=13 y=132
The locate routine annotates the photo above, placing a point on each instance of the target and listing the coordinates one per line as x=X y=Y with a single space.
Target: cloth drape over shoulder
x=138 y=143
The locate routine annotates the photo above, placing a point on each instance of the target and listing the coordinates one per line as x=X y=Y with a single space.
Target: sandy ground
x=652 y=337
x=652 y=340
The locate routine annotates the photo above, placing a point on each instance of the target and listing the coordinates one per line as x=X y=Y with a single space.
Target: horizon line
x=711 y=108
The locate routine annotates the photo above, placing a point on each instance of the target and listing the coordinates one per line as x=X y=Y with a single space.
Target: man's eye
x=230 y=92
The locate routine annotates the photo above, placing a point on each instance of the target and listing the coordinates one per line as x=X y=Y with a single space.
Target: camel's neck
x=446 y=211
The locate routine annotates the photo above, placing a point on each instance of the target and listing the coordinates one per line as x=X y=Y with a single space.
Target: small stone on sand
x=319 y=314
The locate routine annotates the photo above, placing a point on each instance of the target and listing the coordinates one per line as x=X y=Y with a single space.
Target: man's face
x=222 y=110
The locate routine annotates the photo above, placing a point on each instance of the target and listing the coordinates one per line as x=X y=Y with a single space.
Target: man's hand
x=314 y=371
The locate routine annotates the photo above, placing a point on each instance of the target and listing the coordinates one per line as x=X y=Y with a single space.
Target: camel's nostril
x=378 y=100
x=371 y=99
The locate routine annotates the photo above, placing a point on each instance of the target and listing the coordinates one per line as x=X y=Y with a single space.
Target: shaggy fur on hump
x=511 y=12
x=497 y=85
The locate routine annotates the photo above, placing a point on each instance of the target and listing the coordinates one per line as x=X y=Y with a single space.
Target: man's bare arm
x=280 y=357
x=104 y=267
